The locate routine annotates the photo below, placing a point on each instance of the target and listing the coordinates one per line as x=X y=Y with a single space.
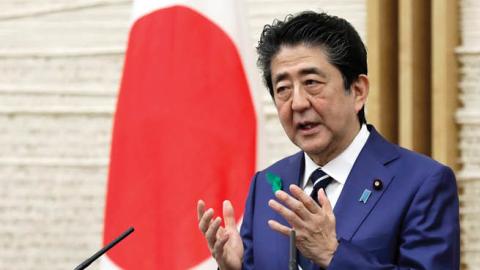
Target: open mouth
x=307 y=126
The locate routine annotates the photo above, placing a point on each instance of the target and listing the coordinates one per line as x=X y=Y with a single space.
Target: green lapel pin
x=275 y=181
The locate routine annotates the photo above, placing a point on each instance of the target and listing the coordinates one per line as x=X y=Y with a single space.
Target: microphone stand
x=99 y=253
x=292 y=262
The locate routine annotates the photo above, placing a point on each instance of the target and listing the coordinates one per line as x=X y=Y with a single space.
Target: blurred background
x=60 y=67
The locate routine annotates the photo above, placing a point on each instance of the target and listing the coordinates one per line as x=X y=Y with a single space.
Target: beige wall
x=468 y=117
x=60 y=62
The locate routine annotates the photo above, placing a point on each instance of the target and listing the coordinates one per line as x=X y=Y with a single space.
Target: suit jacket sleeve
x=246 y=228
x=430 y=234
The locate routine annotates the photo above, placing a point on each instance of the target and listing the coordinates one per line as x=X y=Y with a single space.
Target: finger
x=286 y=213
x=211 y=233
x=220 y=232
x=324 y=202
x=228 y=214
x=219 y=246
x=200 y=209
x=274 y=225
x=293 y=204
x=303 y=197
x=204 y=222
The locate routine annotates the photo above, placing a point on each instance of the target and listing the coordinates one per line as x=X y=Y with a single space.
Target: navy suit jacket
x=411 y=223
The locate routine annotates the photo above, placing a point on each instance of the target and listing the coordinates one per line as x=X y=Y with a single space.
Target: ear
x=359 y=89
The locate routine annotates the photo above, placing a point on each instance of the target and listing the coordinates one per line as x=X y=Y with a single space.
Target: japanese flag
x=184 y=129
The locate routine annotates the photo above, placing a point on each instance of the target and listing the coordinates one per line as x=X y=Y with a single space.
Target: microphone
x=292 y=262
x=99 y=253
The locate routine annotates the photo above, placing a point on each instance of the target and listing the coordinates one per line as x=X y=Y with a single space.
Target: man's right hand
x=225 y=243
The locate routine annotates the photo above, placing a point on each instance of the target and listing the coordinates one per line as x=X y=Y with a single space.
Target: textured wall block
x=82 y=73
x=468 y=116
x=58 y=92
x=50 y=216
x=62 y=136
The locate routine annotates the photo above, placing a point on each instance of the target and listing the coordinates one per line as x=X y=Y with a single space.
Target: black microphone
x=99 y=253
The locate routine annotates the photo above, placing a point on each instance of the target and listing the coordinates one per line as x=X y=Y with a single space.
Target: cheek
x=329 y=111
x=347 y=105
x=284 y=113
x=320 y=105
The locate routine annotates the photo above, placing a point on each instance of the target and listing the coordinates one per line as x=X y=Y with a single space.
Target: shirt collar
x=339 y=168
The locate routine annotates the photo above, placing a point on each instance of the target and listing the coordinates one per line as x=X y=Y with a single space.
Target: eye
x=311 y=82
x=281 y=89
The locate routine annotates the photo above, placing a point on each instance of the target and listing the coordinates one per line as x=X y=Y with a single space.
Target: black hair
x=337 y=37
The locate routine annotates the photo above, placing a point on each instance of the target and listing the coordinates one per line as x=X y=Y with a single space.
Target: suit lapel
x=292 y=172
x=370 y=165
x=295 y=174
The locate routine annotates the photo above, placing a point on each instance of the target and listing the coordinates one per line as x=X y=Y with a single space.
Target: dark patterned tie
x=320 y=180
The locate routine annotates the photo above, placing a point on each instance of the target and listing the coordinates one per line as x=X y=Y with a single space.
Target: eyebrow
x=280 y=77
x=304 y=71
x=312 y=70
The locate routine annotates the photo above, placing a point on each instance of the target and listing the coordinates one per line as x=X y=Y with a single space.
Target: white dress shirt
x=338 y=168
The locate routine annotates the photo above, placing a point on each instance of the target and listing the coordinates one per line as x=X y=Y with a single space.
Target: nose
x=300 y=100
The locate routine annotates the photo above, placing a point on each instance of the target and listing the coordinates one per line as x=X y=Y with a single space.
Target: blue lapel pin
x=365 y=195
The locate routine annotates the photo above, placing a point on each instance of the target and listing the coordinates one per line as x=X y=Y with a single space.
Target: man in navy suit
x=354 y=200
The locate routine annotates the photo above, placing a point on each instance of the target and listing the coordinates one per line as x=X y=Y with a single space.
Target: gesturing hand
x=224 y=243
x=314 y=225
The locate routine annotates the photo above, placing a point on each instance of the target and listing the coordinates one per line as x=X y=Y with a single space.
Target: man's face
x=318 y=115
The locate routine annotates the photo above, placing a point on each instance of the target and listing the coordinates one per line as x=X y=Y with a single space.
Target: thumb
x=228 y=215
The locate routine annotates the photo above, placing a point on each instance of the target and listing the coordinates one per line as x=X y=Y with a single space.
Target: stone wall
x=468 y=118
x=60 y=65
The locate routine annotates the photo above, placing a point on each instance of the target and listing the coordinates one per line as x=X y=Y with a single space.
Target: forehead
x=294 y=59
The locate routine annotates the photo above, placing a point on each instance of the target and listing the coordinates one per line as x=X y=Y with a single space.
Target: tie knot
x=318 y=174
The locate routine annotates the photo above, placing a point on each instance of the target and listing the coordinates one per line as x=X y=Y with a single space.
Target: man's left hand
x=314 y=224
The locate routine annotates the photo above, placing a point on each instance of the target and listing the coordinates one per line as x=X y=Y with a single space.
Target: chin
x=311 y=148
